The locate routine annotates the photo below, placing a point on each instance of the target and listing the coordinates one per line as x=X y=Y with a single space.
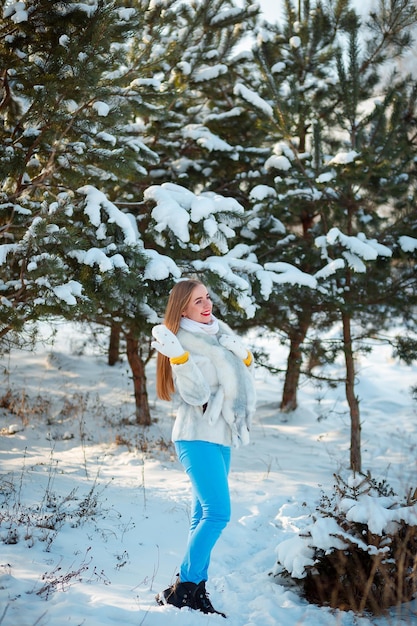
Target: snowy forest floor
x=94 y=509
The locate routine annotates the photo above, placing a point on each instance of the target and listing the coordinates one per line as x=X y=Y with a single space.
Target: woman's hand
x=166 y=342
x=233 y=344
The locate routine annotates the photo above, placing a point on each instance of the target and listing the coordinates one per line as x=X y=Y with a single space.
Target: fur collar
x=235 y=399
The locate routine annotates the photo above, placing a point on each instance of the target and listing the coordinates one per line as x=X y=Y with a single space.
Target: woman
x=203 y=361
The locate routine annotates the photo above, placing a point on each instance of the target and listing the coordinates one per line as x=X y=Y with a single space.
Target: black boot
x=179 y=595
x=202 y=601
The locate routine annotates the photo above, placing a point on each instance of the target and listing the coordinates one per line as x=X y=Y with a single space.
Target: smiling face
x=200 y=306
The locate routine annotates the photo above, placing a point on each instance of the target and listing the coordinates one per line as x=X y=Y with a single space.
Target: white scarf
x=198 y=327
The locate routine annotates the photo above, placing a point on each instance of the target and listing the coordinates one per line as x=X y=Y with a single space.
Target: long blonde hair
x=178 y=300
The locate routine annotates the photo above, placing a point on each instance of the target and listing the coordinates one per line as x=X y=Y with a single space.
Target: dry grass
x=353 y=579
x=22 y=407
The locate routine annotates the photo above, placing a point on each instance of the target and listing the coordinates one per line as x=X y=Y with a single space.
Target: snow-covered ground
x=94 y=509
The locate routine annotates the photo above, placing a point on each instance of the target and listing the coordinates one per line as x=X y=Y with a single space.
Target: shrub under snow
x=359 y=552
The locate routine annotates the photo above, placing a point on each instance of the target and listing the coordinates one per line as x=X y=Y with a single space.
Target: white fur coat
x=215 y=377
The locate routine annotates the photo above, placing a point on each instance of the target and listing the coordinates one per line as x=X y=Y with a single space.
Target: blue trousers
x=207 y=465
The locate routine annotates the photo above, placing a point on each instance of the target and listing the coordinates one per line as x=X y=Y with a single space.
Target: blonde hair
x=178 y=300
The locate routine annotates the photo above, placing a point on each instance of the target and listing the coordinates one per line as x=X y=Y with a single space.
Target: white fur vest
x=215 y=392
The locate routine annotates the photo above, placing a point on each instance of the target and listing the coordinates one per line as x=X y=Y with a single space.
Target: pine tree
x=192 y=138
x=84 y=89
x=63 y=123
x=338 y=189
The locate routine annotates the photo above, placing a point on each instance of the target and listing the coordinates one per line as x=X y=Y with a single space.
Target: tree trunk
x=137 y=366
x=294 y=361
x=114 y=344
x=355 y=433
